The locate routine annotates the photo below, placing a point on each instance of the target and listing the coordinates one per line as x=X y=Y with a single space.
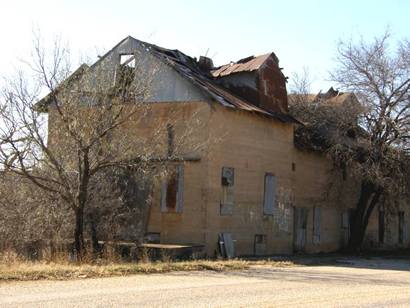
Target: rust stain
x=248 y=64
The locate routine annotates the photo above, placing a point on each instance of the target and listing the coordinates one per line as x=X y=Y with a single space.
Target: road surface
x=358 y=283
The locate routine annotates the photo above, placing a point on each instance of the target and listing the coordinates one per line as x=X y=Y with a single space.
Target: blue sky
x=301 y=33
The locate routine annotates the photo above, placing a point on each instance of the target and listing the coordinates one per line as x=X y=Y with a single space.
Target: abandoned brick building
x=249 y=184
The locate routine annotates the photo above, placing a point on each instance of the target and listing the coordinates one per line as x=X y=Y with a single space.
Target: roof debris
x=188 y=67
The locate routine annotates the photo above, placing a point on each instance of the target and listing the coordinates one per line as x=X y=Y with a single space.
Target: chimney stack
x=205 y=63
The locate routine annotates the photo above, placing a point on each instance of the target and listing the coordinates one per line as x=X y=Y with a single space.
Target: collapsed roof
x=331 y=97
x=326 y=116
x=207 y=78
x=189 y=68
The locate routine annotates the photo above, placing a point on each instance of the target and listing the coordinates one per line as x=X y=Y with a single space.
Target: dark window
x=172 y=190
x=260 y=244
x=269 y=196
x=293 y=167
x=170 y=132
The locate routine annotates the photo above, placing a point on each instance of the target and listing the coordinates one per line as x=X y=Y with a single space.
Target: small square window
x=260 y=238
x=128 y=60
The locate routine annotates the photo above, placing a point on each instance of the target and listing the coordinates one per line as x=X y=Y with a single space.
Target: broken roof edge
x=221 y=99
x=142 y=43
x=206 y=83
x=331 y=95
x=111 y=50
x=268 y=115
x=223 y=96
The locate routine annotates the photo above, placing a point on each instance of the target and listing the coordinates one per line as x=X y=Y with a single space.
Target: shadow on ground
x=400 y=260
x=334 y=269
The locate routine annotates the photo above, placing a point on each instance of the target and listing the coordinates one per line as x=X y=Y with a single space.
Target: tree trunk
x=82 y=197
x=369 y=197
x=94 y=238
x=79 y=232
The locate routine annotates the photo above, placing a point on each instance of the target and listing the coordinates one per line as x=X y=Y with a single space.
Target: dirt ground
x=350 y=282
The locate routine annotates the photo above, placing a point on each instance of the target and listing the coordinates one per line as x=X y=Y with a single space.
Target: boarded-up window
x=347 y=219
x=172 y=190
x=381 y=226
x=300 y=228
x=269 y=194
x=316 y=225
x=402 y=228
x=227 y=198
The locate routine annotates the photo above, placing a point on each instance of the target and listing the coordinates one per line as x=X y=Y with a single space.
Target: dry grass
x=25 y=270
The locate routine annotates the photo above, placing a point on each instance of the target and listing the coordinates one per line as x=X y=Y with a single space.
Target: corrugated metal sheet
x=245 y=65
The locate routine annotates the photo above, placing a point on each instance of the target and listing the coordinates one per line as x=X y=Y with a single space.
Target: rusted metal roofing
x=248 y=64
x=189 y=69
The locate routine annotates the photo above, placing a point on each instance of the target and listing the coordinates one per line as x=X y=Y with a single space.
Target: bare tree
x=380 y=78
x=301 y=83
x=28 y=215
x=368 y=137
x=89 y=132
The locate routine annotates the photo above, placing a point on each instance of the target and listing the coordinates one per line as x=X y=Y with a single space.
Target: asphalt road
x=376 y=283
